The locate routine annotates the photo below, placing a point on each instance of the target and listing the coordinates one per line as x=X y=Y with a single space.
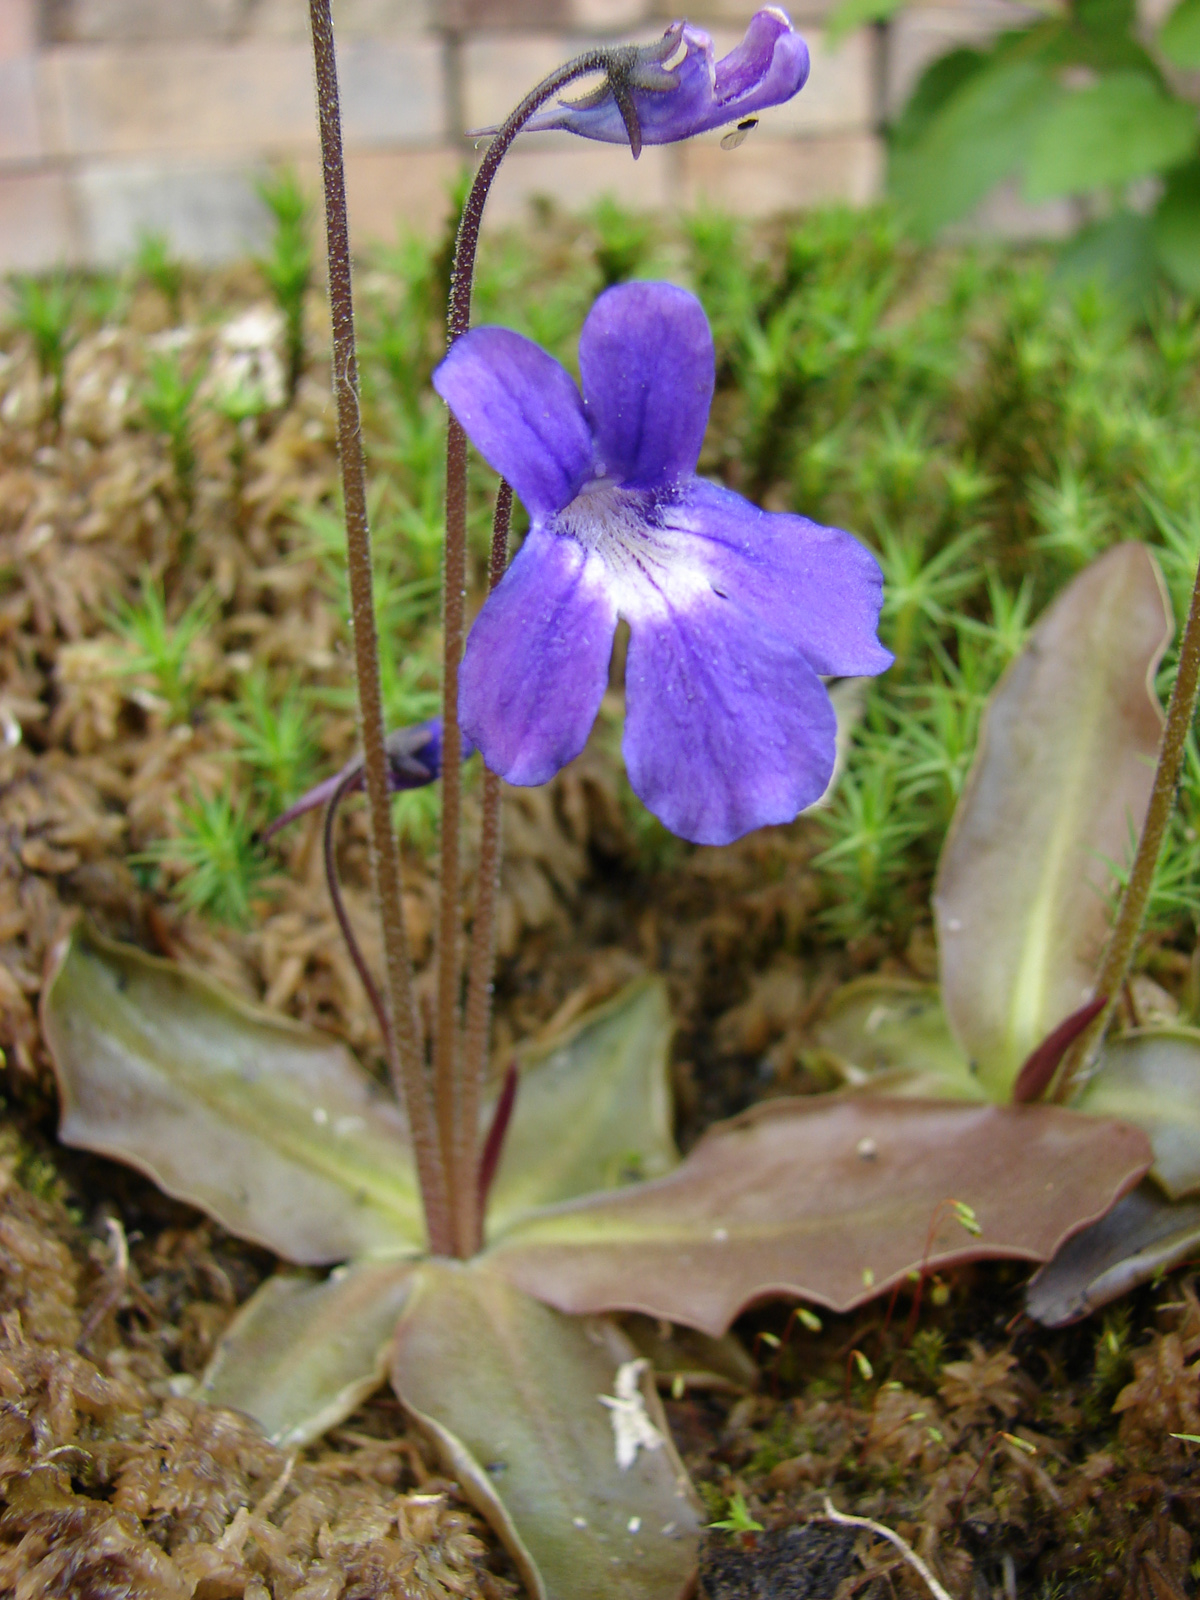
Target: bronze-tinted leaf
x=269 y=1127
x=511 y=1393
x=1061 y=778
x=832 y=1199
x=894 y=1027
x=1143 y=1235
x=1152 y=1078
x=304 y=1351
x=594 y=1107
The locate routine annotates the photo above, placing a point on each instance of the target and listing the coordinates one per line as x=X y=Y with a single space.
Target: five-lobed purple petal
x=734 y=613
x=769 y=66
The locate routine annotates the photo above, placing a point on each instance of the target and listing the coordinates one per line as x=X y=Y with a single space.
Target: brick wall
x=118 y=116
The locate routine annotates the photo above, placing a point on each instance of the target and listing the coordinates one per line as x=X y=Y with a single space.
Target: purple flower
x=689 y=92
x=414 y=757
x=734 y=613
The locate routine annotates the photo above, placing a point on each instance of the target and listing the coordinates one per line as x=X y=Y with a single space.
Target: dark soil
x=1013 y=1460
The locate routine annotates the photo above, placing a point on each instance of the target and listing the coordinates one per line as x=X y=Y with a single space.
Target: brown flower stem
x=447 y=1042
x=403 y=1034
x=468 y=1198
x=1123 y=941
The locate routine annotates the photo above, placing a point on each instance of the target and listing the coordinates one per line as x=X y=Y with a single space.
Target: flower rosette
x=735 y=614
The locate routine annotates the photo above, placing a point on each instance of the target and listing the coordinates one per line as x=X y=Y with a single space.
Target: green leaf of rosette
x=303 y=1352
x=1152 y=1078
x=513 y=1395
x=271 y=1128
x=594 y=1107
x=1143 y=1235
x=1060 y=781
x=891 y=1035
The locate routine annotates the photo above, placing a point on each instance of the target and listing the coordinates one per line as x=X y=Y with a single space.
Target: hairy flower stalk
x=1127 y=926
x=402 y=1035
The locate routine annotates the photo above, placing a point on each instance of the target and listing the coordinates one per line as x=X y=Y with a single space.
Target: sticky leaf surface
x=890 y=1027
x=1059 y=785
x=830 y=1199
x=1153 y=1080
x=1142 y=1235
x=593 y=1109
x=269 y=1127
x=303 y=1352
x=510 y=1391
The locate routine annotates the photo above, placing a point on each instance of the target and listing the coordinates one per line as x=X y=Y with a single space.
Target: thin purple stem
x=402 y=1035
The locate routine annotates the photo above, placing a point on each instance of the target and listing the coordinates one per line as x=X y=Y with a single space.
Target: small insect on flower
x=737 y=136
x=735 y=614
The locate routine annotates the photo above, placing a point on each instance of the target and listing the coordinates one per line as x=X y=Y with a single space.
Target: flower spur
x=735 y=614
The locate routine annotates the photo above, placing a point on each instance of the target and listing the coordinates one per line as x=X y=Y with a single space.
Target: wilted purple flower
x=682 y=91
x=734 y=612
x=414 y=757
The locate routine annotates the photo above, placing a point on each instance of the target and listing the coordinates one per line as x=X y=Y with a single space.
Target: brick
x=497 y=69
x=769 y=176
x=18 y=28
x=737 y=13
x=255 y=97
x=20 y=129
x=467 y=14
x=36 y=230
x=920 y=36
x=393 y=91
x=352 y=19
x=208 y=212
x=388 y=192
x=122 y=21
x=575 y=178
x=607 y=16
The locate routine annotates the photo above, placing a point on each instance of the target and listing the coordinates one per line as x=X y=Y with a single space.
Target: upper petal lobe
x=647 y=365
x=816 y=587
x=522 y=412
x=536 y=662
x=727 y=727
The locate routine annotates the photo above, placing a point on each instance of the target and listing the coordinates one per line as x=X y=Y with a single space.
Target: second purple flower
x=735 y=614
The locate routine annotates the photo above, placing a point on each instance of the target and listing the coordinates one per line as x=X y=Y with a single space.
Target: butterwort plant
x=484 y=1229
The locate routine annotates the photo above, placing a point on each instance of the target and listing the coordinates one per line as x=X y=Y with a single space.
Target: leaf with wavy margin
x=831 y=1200
x=1058 y=787
x=895 y=1030
x=594 y=1107
x=1143 y=1235
x=1152 y=1078
x=303 y=1352
x=510 y=1393
x=269 y=1127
